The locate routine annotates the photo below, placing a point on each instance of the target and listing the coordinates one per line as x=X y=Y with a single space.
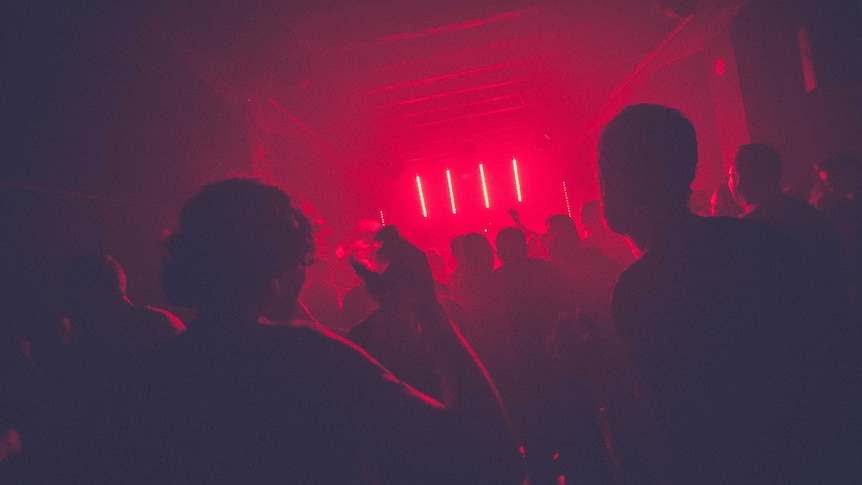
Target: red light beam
x=451 y=192
x=484 y=186
x=421 y=196
x=517 y=179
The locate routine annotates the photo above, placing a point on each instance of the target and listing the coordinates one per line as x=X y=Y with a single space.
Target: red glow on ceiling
x=450 y=28
x=517 y=179
x=421 y=196
x=484 y=186
x=720 y=66
x=444 y=77
x=451 y=192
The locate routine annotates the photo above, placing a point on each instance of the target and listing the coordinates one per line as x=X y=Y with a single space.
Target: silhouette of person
x=458 y=255
x=600 y=237
x=476 y=290
x=841 y=203
x=532 y=298
x=742 y=365
x=392 y=335
x=234 y=400
x=591 y=276
x=102 y=318
x=755 y=182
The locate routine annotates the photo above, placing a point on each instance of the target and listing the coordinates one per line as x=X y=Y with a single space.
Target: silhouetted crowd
x=649 y=345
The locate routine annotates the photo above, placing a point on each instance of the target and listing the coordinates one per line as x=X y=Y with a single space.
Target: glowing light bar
x=382 y=220
x=421 y=196
x=566 y=193
x=484 y=186
x=451 y=192
x=517 y=179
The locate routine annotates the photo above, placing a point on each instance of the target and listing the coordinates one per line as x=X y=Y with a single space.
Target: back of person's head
x=90 y=278
x=511 y=245
x=478 y=253
x=560 y=224
x=647 y=158
x=455 y=245
x=755 y=175
x=234 y=239
x=591 y=216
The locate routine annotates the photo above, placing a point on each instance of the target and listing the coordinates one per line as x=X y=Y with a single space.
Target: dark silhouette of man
x=840 y=200
x=235 y=400
x=100 y=313
x=755 y=182
x=742 y=366
x=533 y=297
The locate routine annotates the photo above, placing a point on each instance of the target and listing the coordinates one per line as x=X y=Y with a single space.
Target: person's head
x=755 y=175
x=455 y=245
x=92 y=279
x=591 y=216
x=511 y=245
x=647 y=158
x=238 y=243
x=478 y=253
x=560 y=224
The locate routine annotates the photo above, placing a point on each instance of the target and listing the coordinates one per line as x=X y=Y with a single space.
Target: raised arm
x=466 y=437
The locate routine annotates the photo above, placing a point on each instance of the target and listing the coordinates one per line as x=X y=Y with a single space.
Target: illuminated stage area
x=526 y=242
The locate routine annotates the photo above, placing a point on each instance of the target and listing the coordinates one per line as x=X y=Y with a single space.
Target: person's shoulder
x=165 y=317
x=729 y=231
x=310 y=345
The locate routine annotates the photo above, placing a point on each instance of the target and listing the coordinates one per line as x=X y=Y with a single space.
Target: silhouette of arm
x=516 y=218
x=465 y=437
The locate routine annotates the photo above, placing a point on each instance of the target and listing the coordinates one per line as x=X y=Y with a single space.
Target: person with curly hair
x=238 y=400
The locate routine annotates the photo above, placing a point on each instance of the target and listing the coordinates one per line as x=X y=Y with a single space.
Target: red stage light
x=720 y=66
x=382 y=220
x=451 y=192
x=421 y=196
x=484 y=186
x=566 y=194
x=517 y=179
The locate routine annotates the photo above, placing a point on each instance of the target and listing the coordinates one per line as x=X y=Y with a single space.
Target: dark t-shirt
x=809 y=227
x=735 y=345
x=267 y=404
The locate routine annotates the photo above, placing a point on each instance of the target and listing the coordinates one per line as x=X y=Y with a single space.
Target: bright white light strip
x=451 y=192
x=484 y=186
x=421 y=196
x=517 y=179
x=566 y=193
x=382 y=220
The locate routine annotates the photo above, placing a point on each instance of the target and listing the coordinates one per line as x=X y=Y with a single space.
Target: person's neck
x=657 y=231
x=771 y=201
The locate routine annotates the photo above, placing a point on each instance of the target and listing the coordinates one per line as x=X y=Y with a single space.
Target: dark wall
x=806 y=125
x=107 y=136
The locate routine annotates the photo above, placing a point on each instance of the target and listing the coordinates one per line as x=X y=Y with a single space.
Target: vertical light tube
x=484 y=186
x=517 y=179
x=451 y=191
x=566 y=194
x=382 y=220
x=421 y=196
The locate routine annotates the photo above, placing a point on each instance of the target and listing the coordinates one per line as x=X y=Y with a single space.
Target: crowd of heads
x=241 y=247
